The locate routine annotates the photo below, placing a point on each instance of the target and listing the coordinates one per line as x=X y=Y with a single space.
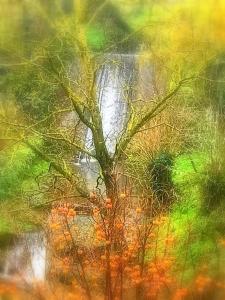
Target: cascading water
x=26 y=260
x=113 y=87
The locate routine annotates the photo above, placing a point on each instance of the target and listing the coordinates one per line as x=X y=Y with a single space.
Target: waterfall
x=26 y=260
x=114 y=84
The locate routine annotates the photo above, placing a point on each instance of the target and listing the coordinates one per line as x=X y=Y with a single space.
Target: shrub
x=160 y=170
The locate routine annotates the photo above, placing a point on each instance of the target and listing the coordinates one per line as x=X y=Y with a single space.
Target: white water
x=26 y=259
x=114 y=83
x=113 y=86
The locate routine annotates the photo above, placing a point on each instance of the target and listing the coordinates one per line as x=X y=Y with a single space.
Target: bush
x=160 y=170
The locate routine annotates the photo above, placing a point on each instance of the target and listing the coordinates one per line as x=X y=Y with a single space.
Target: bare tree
x=83 y=98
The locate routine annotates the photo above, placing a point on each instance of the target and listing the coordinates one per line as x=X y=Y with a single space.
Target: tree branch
x=133 y=129
x=69 y=176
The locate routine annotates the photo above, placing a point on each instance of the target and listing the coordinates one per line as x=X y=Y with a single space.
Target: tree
x=79 y=93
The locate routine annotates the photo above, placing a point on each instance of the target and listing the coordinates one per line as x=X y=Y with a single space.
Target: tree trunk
x=111 y=193
x=110 y=185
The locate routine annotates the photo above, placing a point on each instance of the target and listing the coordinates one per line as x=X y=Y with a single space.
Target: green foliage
x=18 y=165
x=18 y=217
x=19 y=169
x=15 y=224
x=96 y=37
x=197 y=234
x=37 y=90
x=32 y=94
